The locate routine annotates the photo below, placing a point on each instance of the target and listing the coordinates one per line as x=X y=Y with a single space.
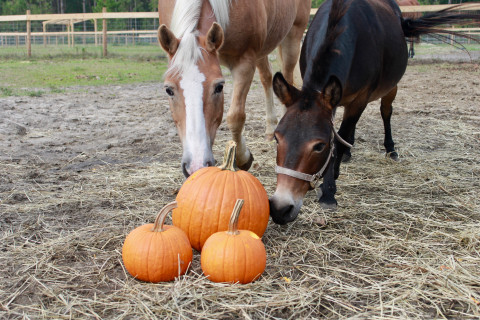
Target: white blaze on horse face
x=196 y=146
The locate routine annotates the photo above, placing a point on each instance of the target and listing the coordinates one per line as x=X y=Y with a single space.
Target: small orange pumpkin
x=233 y=255
x=157 y=252
x=208 y=196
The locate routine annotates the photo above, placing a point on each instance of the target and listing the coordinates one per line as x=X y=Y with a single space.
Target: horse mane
x=327 y=50
x=185 y=17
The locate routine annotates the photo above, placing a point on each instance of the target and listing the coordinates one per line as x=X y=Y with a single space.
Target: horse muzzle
x=189 y=166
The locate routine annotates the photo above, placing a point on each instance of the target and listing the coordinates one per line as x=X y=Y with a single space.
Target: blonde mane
x=184 y=25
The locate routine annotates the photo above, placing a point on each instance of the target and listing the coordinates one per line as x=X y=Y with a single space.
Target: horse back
x=261 y=25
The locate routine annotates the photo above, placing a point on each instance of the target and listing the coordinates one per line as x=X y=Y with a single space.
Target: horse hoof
x=392 y=155
x=346 y=157
x=247 y=164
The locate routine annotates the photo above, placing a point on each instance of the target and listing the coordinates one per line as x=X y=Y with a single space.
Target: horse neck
x=207 y=18
x=193 y=15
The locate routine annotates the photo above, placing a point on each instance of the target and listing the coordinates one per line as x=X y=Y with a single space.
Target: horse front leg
x=242 y=79
x=386 y=111
x=265 y=71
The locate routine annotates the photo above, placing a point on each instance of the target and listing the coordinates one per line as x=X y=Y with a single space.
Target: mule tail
x=430 y=23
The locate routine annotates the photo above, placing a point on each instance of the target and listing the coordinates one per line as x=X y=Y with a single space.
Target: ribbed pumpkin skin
x=233 y=258
x=207 y=198
x=153 y=256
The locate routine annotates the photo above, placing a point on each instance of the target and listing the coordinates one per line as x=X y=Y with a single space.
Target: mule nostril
x=281 y=215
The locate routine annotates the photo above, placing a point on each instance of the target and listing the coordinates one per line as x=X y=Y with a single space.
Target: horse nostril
x=209 y=163
x=184 y=169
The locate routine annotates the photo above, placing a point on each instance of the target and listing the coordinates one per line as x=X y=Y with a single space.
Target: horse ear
x=214 y=37
x=167 y=40
x=333 y=91
x=285 y=92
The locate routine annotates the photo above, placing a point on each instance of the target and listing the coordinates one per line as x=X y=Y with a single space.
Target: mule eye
x=169 y=91
x=218 y=88
x=318 y=147
x=275 y=138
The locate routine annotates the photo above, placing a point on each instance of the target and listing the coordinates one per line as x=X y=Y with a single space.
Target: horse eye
x=275 y=138
x=318 y=147
x=218 y=88
x=169 y=91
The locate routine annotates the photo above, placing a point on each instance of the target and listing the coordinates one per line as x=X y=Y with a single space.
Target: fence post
x=95 y=29
x=104 y=33
x=29 y=35
x=72 y=30
x=44 y=34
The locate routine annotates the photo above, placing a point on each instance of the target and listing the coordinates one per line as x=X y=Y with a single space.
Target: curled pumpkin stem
x=233 y=224
x=229 y=162
x=162 y=215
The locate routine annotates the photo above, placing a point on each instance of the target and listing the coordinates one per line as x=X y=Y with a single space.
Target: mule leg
x=351 y=115
x=347 y=153
x=265 y=71
x=411 y=51
x=326 y=191
x=242 y=74
x=386 y=111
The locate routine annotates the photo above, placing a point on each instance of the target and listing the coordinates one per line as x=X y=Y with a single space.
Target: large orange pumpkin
x=208 y=196
x=233 y=255
x=157 y=252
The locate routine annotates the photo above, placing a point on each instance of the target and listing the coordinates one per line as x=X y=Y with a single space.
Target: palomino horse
x=354 y=52
x=410 y=15
x=198 y=36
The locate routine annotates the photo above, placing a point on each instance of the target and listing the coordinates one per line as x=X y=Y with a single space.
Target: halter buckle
x=315 y=182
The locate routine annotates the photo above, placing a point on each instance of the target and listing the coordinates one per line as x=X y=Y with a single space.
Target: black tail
x=430 y=23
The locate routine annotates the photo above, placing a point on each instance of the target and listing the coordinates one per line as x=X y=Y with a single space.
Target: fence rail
x=131 y=36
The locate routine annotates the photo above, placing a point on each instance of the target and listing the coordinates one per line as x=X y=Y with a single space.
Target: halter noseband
x=313 y=178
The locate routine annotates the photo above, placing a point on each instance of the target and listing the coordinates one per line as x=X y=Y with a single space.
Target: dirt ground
x=80 y=169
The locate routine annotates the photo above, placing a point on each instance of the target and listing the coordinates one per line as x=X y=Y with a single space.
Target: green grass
x=138 y=52
x=429 y=48
x=36 y=77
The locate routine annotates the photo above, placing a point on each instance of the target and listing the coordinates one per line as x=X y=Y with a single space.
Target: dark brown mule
x=198 y=36
x=410 y=15
x=354 y=52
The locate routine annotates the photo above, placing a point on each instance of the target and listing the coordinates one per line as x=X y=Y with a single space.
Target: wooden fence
x=69 y=20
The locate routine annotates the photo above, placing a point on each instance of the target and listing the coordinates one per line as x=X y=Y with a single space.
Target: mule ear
x=214 y=37
x=167 y=40
x=333 y=91
x=285 y=92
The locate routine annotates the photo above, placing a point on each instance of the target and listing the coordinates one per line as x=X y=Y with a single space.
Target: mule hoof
x=331 y=206
x=247 y=164
x=346 y=157
x=392 y=155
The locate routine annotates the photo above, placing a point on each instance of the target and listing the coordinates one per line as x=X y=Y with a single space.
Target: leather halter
x=314 y=179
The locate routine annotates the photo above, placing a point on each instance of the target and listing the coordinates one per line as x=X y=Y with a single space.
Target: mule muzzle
x=283 y=212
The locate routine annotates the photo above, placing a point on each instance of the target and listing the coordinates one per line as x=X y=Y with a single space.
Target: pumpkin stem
x=233 y=224
x=229 y=162
x=159 y=221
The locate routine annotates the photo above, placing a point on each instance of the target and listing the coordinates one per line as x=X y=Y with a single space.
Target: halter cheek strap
x=314 y=179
